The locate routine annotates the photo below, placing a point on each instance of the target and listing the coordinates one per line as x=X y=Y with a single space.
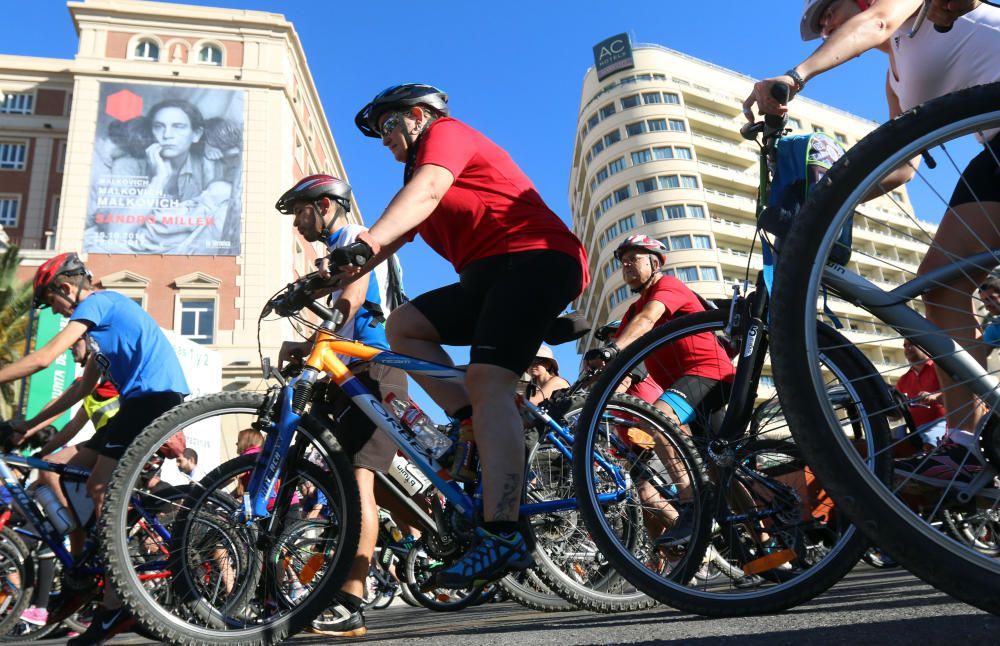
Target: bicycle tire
x=275 y=626
x=15 y=562
x=695 y=593
x=871 y=500
x=418 y=570
x=582 y=576
x=528 y=590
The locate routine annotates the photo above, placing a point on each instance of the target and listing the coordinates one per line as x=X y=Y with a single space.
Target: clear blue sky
x=513 y=70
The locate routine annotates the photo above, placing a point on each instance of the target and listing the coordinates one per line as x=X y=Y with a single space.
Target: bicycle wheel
x=419 y=568
x=528 y=590
x=566 y=557
x=230 y=580
x=756 y=528
x=17 y=580
x=902 y=512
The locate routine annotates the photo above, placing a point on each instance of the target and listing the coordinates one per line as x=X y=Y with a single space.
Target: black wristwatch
x=799 y=81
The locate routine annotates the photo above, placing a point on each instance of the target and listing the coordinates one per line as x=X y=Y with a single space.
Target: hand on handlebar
x=763 y=95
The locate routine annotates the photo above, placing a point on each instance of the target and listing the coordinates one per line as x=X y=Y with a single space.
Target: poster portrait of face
x=167 y=171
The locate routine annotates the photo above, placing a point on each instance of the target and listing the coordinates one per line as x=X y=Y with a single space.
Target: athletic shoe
x=948 y=462
x=680 y=532
x=491 y=558
x=77 y=591
x=35 y=616
x=105 y=625
x=338 y=621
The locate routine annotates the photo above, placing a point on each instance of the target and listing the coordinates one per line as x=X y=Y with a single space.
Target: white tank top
x=932 y=64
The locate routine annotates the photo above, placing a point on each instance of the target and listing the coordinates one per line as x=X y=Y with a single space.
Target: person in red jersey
x=519 y=267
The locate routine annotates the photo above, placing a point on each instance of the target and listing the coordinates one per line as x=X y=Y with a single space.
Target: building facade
x=197 y=243
x=658 y=151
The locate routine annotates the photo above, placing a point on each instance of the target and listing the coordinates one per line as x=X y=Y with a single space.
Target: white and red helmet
x=640 y=242
x=314 y=187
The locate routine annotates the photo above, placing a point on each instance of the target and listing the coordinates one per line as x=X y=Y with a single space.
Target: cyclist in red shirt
x=689 y=377
x=473 y=205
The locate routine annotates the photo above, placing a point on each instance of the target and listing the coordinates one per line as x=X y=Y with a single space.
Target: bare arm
x=43 y=358
x=643 y=322
x=67 y=433
x=77 y=391
x=413 y=204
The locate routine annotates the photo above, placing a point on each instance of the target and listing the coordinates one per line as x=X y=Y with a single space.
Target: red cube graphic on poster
x=123 y=105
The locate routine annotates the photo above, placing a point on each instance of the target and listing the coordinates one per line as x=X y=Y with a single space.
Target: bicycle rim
x=905 y=513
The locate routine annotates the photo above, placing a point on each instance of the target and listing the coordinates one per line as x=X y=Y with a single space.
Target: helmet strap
x=412 y=146
x=324 y=229
x=653 y=277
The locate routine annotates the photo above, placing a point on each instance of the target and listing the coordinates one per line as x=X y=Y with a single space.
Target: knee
x=487 y=383
x=95 y=489
x=405 y=323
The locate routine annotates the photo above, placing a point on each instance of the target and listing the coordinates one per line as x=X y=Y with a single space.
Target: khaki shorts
x=378 y=451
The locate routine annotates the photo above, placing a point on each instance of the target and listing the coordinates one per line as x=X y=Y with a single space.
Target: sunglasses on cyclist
x=390 y=124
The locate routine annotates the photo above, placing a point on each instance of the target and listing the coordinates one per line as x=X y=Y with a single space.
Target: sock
x=349 y=601
x=504 y=527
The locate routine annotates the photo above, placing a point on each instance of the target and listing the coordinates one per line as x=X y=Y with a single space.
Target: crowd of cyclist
x=472 y=204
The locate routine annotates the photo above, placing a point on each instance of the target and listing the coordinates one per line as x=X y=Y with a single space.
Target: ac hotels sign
x=612 y=55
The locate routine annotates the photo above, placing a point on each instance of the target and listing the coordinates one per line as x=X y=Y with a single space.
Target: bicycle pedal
x=769 y=561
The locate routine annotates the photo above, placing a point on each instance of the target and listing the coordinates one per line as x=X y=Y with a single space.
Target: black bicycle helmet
x=314 y=187
x=395 y=97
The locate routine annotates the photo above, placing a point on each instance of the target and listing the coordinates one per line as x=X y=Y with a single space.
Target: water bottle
x=409 y=476
x=59 y=516
x=425 y=432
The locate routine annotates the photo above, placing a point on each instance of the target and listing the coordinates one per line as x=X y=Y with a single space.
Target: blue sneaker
x=491 y=558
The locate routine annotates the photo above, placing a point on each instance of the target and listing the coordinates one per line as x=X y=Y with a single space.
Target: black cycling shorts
x=704 y=399
x=503 y=306
x=135 y=414
x=980 y=180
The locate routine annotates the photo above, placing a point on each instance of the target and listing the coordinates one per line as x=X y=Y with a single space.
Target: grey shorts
x=378 y=451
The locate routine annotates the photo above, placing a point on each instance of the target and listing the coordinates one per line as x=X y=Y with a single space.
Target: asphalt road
x=868 y=607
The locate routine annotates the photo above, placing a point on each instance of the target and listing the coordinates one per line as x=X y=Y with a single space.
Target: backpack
x=800 y=162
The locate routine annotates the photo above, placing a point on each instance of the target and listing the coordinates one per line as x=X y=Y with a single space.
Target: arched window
x=147 y=50
x=210 y=55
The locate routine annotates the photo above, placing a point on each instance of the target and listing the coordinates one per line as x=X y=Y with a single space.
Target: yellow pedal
x=769 y=562
x=640 y=438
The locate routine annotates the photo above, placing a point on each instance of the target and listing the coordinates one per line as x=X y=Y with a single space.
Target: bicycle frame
x=324 y=359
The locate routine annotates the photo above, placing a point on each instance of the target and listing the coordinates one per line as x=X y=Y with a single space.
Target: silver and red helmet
x=65 y=264
x=398 y=98
x=644 y=243
x=312 y=188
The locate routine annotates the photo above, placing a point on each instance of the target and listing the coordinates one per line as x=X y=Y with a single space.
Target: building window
x=645 y=185
x=636 y=128
x=682 y=153
x=61 y=155
x=12 y=155
x=669 y=181
x=17 y=104
x=597 y=148
x=651 y=97
x=147 y=50
x=630 y=101
x=695 y=211
x=818 y=129
x=658 y=77
x=650 y=216
x=593 y=121
x=687 y=274
x=702 y=242
x=198 y=320
x=897 y=196
x=8 y=211
x=619 y=295
x=657 y=125
x=794 y=123
x=709 y=273
x=626 y=224
x=670 y=97
x=675 y=212
x=602 y=175
x=612 y=138
x=607 y=111
x=689 y=181
x=622 y=194
x=663 y=152
x=677 y=125
x=616 y=166
x=641 y=157
x=680 y=242
x=840 y=137
x=210 y=55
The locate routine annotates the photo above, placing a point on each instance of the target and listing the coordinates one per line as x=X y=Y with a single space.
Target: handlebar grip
x=780 y=93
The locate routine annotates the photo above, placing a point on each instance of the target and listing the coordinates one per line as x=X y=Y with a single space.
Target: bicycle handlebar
x=299 y=295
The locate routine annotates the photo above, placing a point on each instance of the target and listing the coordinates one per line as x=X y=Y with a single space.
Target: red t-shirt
x=492 y=208
x=698 y=355
x=925 y=381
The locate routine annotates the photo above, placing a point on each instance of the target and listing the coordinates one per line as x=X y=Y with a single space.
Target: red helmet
x=641 y=242
x=314 y=187
x=65 y=264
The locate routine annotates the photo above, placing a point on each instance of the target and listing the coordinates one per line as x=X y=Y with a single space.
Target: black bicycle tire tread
x=535 y=599
x=116 y=496
x=28 y=574
x=952 y=573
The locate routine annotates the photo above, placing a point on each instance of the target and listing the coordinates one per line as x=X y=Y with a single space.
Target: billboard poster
x=48 y=384
x=613 y=55
x=167 y=171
